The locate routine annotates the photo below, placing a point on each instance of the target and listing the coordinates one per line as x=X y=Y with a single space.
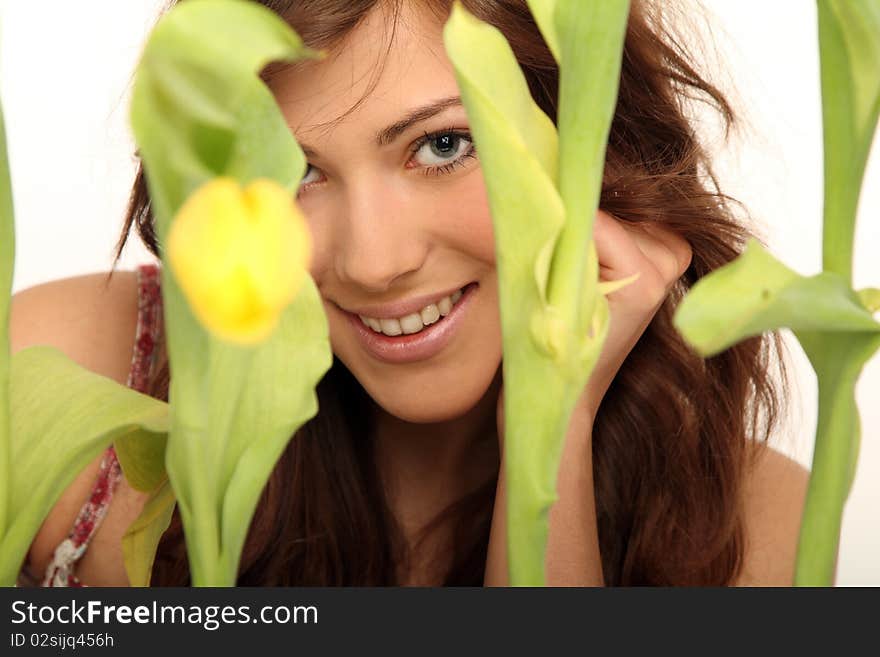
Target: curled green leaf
x=50 y=448
x=549 y=346
x=141 y=539
x=142 y=461
x=516 y=140
x=757 y=293
x=200 y=111
x=834 y=324
x=591 y=37
x=198 y=107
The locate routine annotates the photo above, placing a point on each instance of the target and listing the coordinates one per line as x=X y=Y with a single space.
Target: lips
x=424 y=344
x=414 y=322
x=399 y=308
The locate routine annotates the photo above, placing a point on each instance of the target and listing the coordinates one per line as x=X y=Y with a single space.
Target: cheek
x=468 y=220
x=321 y=256
x=458 y=217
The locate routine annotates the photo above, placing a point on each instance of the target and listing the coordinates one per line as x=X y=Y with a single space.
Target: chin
x=441 y=388
x=432 y=395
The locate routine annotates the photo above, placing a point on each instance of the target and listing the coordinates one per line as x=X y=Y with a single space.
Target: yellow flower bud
x=240 y=256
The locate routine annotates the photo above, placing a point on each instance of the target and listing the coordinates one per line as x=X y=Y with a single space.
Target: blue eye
x=434 y=154
x=442 y=151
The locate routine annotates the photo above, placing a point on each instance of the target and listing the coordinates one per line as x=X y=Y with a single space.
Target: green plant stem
x=818 y=544
x=200 y=518
x=838 y=360
x=534 y=435
x=840 y=204
x=850 y=82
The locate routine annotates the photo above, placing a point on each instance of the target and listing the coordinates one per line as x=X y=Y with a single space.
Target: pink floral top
x=60 y=571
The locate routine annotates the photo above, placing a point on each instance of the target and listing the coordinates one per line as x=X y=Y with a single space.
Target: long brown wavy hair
x=671 y=439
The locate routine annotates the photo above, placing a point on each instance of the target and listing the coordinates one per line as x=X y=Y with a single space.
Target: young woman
x=665 y=478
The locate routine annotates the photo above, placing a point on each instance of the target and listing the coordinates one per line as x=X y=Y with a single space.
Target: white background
x=65 y=71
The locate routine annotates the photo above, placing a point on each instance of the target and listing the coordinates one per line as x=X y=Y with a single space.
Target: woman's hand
x=659 y=257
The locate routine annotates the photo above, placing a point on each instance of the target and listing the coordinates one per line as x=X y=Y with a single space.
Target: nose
x=381 y=240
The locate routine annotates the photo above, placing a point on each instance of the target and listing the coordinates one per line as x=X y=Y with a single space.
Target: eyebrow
x=393 y=131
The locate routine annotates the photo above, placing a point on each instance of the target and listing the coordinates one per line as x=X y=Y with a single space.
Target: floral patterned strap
x=60 y=571
x=68 y=553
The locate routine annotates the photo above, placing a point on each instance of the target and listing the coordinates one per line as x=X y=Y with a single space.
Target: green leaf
x=540 y=393
x=57 y=431
x=142 y=461
x=757 y=293
x=200 y=110
x=7 y=261
x=265 y=422
x=219 y=461
x=547 y=354
x=141 y=539
x=834 y=324
x=501 y=86
x=849 y=45
x=544 y=14
x=517 y=143
x=591 y=35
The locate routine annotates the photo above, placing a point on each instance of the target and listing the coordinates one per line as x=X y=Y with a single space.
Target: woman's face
x=398 y=211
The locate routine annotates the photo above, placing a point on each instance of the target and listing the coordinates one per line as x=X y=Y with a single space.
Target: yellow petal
x=240 y=256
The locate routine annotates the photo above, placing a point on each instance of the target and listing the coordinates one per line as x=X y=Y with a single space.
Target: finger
x=648 y=249
x=669 y=253
x=619 y=255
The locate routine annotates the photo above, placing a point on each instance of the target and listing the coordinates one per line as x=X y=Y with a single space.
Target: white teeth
x=444 y=306
x=414 y=322
x=390 y=327
x=430 y=314
x=411 y=323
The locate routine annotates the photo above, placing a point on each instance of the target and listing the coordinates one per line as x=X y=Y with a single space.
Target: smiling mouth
x=409 y=342
x=415 y=322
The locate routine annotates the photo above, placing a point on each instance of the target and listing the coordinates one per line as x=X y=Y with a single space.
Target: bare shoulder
x=92 y=319
x=774 y=495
